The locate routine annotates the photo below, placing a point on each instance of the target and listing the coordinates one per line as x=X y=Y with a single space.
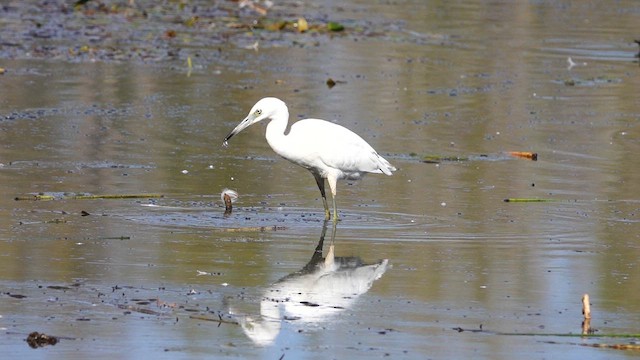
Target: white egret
x=329 y=151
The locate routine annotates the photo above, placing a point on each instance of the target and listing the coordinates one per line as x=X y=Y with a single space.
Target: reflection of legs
x=320 y=182
x=332 y=180
x=321 y=242
x=329 y=260
x=317 y=257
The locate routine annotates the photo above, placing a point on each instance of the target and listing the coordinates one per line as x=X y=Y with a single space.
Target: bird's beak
x=243 y=125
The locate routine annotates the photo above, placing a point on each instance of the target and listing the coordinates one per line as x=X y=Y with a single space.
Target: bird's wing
x=335 y=146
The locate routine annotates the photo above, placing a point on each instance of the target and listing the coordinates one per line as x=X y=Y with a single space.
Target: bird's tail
x=385 y=166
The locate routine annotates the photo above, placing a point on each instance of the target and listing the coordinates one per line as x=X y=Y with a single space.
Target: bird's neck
x=275 y=133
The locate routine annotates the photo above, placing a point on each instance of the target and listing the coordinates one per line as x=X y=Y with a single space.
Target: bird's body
x=329 y=151
x=345 y=156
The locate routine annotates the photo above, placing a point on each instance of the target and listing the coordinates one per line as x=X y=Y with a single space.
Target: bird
x=328 y=150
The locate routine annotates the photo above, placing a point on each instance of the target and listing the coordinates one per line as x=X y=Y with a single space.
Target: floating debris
x=116 y=196
x=71 y=196
x=220 y=320
x=231 y=194
x=141 y=310
x=36 y=340
x=261 y=9
x=586 y=307
x=207 y=273
x=586 y=313
x=334 y=26
x=35 y=197
x=436 y=159
x=524 y=155
x=16 y=296
x=571 y=64
x=302 y=25
x=523 y=200
x=331 y=83
x=591 y=81
x=228 y=197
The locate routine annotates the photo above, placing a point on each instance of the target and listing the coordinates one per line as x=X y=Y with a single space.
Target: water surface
x=148 y=277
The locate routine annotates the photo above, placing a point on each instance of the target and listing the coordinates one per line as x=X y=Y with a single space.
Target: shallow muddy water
x=428 y=263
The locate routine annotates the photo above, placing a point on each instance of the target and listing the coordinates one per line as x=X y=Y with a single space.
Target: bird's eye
x=258 y=112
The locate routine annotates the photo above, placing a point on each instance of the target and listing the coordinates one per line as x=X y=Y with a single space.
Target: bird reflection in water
x=324 y=287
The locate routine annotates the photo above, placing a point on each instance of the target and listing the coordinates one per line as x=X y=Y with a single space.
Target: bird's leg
x=332 y=180
x=320 y=182
x=333 y=232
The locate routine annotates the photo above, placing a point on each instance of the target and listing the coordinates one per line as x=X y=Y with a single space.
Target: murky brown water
x=141 y=278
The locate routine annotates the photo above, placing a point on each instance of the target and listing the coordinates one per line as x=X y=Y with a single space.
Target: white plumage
x=329 y=151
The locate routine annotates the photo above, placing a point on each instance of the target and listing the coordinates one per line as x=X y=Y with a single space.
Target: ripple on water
x=194 y=214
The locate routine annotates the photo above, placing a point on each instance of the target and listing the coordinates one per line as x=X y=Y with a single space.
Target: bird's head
x=266 y=108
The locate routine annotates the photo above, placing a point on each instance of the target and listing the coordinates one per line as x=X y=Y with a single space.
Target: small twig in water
x=521 y=200
x=219 y=320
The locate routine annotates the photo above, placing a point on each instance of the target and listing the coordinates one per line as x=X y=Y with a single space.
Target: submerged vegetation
x=150 y=31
